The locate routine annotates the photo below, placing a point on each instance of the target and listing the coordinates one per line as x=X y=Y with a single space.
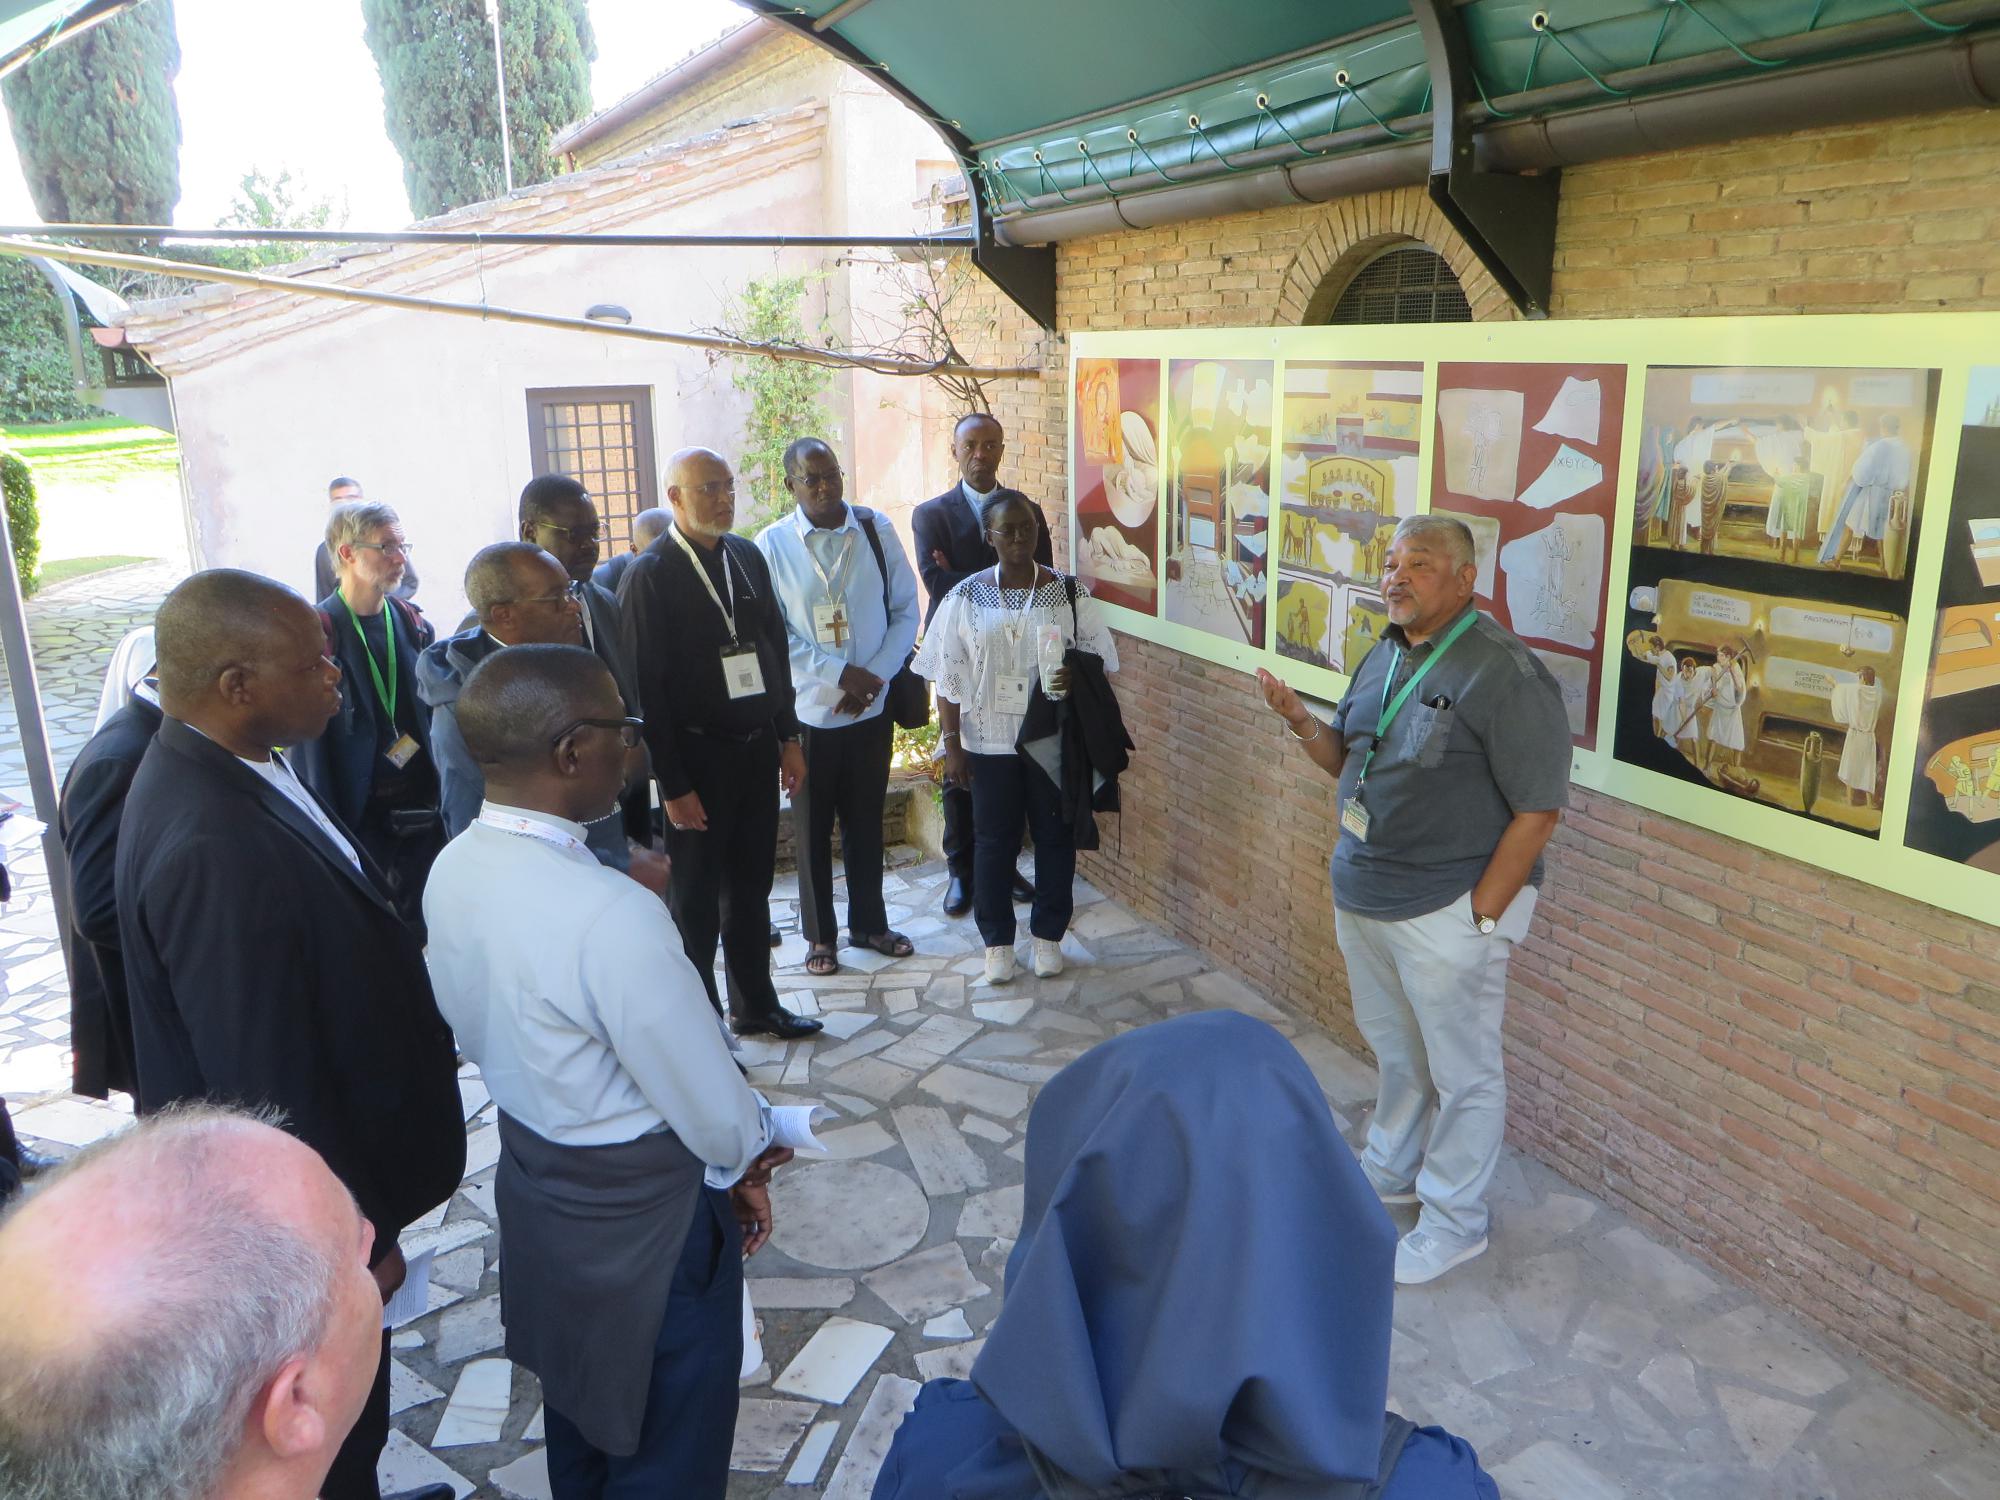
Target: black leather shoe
x=780 y=1023
x=1024 y=888
x=957 y=897
x=777 y=937
x=34 y=1163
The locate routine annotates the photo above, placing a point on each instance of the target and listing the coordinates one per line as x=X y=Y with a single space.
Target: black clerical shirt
x=678 y=636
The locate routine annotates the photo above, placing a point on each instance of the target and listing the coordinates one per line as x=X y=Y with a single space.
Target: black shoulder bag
x=907 y=699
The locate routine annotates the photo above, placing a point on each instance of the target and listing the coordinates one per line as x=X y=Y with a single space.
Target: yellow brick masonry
x=1795 y=1075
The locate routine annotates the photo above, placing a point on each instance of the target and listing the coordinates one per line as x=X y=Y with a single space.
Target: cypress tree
x=96 y=123
x=435 y=58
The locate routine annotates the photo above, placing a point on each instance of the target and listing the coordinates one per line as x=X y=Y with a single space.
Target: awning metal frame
x=1507 y=219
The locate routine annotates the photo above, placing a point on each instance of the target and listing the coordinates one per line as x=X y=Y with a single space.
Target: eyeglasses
x=813 y=479
x=387 y=549
x=592 y=534
x=628 y=730
x=1014 y=533
x=571 y=595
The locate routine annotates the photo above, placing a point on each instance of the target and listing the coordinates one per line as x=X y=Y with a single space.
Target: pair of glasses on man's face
x=387 y=549
x=571 y=595
x=581 y=535
x=628 y=730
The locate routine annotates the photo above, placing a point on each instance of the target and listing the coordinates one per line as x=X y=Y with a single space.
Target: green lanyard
x=1391 y=707
x=387 y=694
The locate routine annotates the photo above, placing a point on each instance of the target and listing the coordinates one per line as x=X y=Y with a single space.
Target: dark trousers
x=1008 y=793
x=405 y=858
x=721 y=882
x=10 y=1157
x=690 y=1421
x=847 y=777
x=352 y=1476
x=958 y=832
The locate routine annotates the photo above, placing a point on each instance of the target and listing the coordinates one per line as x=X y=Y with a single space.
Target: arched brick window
x=1404 y=283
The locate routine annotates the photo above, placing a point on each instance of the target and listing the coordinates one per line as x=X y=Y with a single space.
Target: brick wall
x=1795 y=1075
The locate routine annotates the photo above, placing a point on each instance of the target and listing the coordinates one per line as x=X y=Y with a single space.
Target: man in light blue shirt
x=850 y=603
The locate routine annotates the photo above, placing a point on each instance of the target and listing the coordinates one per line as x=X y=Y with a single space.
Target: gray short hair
x=1446 y=534
x=493 y=577
x=154 y=1408
x=353 y=520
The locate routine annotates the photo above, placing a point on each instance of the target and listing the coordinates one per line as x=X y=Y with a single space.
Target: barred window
x=601 y=436
x=1404 y=284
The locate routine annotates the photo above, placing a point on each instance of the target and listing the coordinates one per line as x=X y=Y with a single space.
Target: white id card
x=830 y=624
x=402 y=752
x=1354 y=818
x=1010 y=693
x=741 y=673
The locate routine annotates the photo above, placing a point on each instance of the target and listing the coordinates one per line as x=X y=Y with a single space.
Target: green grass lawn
x=102 y=484
x=103 y=449
x=64 y=569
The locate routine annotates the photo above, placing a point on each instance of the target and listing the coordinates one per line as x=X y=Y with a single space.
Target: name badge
x=1354 y=818
x=405 y=750
x=1010 y=694
x=830 y=624
x=741 y=673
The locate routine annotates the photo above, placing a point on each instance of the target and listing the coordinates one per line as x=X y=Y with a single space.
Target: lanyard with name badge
x=1011 y=689
x=531 y=828
x=831 y=627
x=741 y=673
x=405 y=748
x=1353 y=815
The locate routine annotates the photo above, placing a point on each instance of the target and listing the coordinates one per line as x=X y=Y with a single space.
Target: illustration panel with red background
x=1519 y=459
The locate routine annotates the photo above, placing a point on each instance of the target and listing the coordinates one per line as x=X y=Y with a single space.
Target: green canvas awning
x=1076 y=116
x=28 y=27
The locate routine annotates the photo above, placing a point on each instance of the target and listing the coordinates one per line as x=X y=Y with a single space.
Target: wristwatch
x=1486 y=925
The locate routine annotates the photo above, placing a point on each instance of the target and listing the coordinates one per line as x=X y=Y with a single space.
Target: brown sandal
x=822 y=959
x=888 y=944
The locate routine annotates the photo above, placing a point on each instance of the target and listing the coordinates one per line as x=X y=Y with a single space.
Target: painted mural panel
x=1774 y=518
x=1527 y=456
x=1116 y=429
x=1219 y=420
x=1955 y=793
x=1351 y=434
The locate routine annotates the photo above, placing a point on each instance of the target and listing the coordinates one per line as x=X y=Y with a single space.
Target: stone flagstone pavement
x=1583 y=1359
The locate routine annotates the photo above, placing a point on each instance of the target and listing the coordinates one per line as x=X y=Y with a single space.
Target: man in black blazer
x=558 y=515
x=265 y=961
x=949 y=540
x=93 y=803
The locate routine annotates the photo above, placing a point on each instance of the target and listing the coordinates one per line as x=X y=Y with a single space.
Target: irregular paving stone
x=847 y=1052
x=847 y=1216
x=1765 y=1427
x=1669 y=1379
x=1539 y=1293
x=933 y=1041
x=461 y=1270
x=1657 y=1268
x=1888 y=1431
x=812 y=1454
x=998 y=1044
x=985 y=1129
x=854 y=1476
x=947 y=990
x=993 y=1096
x=833 y=1360
x=927 y=1283
x=408 y=1389
x=1551 y=1471
x=1487 y=1347
x=800 y=1291
x=478 y=1407
x=846 y=1024
x=994 y=1215
x=766 y=1431
x=944 y=1163
x=469 y=1330
x=896 y=1002
x=1002 y=1012
x=1754 y=1342
x=526 y=1478
x=951 y=1325
x=406 y=1466
x=1613 y=1336
x=1637 y=1423
x=872 y=1076
x=951 y=1363
x=856 y=1141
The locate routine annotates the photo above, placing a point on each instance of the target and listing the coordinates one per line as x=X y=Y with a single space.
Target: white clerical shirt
x=567 y=984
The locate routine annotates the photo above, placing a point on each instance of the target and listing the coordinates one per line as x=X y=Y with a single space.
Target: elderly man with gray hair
x=1451 y=749
x=189 y=1316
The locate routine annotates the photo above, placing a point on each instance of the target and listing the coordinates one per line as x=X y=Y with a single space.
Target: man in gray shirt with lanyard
x=1452 y=751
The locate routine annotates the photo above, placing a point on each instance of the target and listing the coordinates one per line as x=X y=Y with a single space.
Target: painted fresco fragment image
x=1766 y=621
x=1117 y=459
x=1809 y=467
x=1955 y=795
x=1527 y=457
x=1348 y=473
x=1219 y=496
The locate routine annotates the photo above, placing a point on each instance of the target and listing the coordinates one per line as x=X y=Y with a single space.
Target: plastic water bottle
x=1049 y=649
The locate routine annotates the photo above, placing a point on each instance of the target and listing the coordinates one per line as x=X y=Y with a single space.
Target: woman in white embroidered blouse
x=981 y=651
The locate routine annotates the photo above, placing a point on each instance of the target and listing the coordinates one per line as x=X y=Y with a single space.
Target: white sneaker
x=1048 y=958
x=1422 y=1257
x=999 y=964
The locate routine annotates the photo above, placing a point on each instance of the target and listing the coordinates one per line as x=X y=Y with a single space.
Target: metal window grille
x=603 y=437
x=1410 y=284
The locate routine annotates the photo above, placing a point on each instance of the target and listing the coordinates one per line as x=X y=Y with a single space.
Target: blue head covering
x=1203 y=1275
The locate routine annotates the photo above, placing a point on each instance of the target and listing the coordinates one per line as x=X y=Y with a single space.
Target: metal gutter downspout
x=1962 y=72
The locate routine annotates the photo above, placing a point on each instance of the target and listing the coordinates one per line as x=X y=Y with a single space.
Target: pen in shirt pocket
x=1439 y=702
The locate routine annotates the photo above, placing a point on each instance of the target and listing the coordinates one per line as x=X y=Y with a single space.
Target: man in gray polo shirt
x=1451 y=749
